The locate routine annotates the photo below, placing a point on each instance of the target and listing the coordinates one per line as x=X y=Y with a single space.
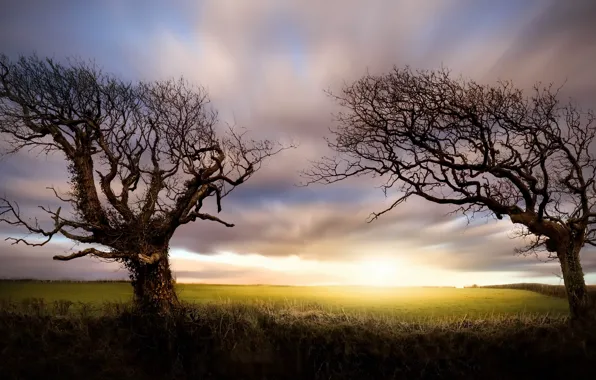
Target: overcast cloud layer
x=265 y=64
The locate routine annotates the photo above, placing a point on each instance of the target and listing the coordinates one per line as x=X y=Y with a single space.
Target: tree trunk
x=154 y=285
x=580 y=306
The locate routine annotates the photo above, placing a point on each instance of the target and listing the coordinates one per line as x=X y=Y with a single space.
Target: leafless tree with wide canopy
x=487 y=149
x=144 y=158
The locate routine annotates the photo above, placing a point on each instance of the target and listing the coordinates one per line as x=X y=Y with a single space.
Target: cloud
x=266 y=65
x=556 y=46
x=20 y=261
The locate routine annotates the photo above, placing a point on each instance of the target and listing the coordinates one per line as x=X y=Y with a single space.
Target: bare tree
x=144 y=159
x=489 y=150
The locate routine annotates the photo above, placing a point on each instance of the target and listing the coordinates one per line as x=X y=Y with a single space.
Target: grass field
x=404 y=303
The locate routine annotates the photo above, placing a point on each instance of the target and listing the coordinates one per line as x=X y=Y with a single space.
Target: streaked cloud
x=265 y=65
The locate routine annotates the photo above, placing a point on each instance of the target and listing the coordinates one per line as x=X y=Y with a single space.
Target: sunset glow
x=378 y=272
x=233 y=268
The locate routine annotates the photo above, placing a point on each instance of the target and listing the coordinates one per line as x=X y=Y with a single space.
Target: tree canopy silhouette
x=486 y=149
x=144 y=158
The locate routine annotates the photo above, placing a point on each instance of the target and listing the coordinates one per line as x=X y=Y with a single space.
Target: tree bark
x=580 y=306
x=153 y=284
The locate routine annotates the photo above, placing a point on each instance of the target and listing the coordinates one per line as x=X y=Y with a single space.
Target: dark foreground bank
x=229 y=341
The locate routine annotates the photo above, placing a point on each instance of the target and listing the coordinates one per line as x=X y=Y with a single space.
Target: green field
x=407 y=303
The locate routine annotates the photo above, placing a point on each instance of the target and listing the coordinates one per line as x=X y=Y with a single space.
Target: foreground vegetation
x=233 y=340
x=71 y=330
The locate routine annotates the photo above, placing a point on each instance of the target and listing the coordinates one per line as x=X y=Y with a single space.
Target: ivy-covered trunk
x=153 y=284
x=578 y=297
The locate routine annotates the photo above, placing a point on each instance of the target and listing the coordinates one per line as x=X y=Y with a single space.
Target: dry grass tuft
x=274 y=341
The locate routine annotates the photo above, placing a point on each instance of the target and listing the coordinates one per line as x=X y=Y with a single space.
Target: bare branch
x=155 y=257
x=92 y=252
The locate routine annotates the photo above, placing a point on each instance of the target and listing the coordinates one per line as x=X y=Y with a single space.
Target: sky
x=266 y=65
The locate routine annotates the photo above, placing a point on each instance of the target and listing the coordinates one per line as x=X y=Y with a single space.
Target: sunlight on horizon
x=380 y=270
x=232 y=268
